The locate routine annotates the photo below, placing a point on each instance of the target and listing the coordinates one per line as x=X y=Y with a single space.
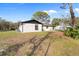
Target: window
x=36 y=26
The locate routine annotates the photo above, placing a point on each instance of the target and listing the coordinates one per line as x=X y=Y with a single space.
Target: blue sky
x=24 y=11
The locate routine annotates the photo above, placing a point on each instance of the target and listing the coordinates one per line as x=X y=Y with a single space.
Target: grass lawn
x=5 y=35
x=55 y=44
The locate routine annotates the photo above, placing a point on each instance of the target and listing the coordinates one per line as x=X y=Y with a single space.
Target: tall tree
x=73 y=20
x=41 y=16
x=72 y=15
x=56 y=22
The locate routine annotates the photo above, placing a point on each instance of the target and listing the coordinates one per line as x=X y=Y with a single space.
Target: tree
x=56 y=22
x=66 y=19
x=7 y=25
x=41 y=16
x=77 y=21
x=73 y=20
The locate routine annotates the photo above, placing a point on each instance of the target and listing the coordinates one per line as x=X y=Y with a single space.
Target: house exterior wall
x=29 y=27
x=59 y=28
x=47 y=28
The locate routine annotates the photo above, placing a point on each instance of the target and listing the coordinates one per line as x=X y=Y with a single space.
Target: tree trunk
x=73 y=20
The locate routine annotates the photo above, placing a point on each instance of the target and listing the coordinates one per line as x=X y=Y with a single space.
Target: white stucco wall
x=59 y=28
x=47 y=28
x=29 y=27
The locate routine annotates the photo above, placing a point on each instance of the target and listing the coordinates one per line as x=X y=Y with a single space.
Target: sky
x=23 y=11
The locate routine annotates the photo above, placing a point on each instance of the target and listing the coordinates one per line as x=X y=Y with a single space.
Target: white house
x=62 y=26
x=33 y=26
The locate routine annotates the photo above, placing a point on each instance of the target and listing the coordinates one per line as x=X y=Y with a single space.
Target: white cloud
x=50 y=11
x=67 y=11
x=77 y=10
x=45 y=11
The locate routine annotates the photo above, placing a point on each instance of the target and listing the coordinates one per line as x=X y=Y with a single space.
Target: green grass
x=5 y=35
x=9 y=34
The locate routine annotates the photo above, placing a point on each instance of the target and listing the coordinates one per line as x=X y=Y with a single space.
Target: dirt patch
x=58 y=33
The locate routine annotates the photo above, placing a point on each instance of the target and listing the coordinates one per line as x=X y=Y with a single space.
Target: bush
x=72 y=32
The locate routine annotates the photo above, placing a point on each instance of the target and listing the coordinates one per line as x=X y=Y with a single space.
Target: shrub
x=72 y=32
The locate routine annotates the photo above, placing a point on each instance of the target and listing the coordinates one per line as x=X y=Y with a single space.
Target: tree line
x=7 y=25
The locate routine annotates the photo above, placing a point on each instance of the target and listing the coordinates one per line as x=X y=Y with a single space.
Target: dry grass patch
x=60 y=45
x=64 y=46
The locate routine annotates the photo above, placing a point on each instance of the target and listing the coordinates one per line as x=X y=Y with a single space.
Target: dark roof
x=36 y=21
x=31 y=21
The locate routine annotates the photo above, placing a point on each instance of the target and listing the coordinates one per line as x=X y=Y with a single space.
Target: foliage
x=77 y=20
x=41 y=16
x=72 y=32
x=7 y=25
x=56 y=21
